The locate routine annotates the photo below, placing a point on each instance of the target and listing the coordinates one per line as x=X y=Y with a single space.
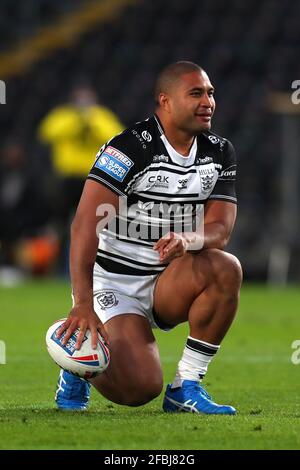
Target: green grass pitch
x=253 y=372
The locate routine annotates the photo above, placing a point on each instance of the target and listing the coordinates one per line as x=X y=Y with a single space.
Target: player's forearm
x=84 y=243
x=216 y=235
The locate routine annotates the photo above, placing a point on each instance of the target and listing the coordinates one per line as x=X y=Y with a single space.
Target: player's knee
x=230 y=274
x=142 y=392
x=226 y=271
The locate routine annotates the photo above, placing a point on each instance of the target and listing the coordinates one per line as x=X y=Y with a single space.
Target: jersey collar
x=175 y=156
x=159 y=124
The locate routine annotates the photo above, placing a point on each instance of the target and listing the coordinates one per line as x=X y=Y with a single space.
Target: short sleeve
x=116 y=164
x=225 y=186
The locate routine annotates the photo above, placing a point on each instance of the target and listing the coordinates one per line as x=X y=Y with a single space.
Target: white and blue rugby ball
x=85 y=362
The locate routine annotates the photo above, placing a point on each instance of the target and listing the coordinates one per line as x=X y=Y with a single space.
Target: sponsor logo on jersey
x=161 y=158
x=159 y=181
x=119 y=156
x=139 y=137
x=214 y=139
x=217 y=140
x=114 y=163
x=107 y=299
x=146 y=136
x=204 y=161
x=229 y=172
x=182 y=184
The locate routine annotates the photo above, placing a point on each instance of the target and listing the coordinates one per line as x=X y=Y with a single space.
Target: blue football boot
x=72 y=392
x=193 y=398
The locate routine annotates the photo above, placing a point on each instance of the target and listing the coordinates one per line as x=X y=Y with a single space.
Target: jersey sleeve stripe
x=106 y=183
x=222 y=197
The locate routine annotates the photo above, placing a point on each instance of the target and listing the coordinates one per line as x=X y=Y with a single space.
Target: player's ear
x=164 y=101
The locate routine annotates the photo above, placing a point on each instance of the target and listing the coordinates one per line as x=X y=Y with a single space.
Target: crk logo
x=146 y=136
x=182 y=184
x=107 y=299
x=160 y=178
x=159 y=181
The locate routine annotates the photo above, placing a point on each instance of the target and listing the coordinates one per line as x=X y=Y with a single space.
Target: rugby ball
x=85 y=362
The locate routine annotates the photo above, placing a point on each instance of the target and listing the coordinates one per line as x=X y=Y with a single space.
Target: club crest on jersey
x=107 y=299
x=208 y=175
x=207 y=182
x=114 y=163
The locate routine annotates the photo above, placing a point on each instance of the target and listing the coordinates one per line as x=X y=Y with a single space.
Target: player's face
x=192 y=103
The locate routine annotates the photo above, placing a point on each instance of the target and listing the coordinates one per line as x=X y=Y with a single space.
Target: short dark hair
x=170 y=75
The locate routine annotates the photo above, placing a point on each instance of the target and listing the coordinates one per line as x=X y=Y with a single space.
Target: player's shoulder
x=217 y=142
x=136 y=138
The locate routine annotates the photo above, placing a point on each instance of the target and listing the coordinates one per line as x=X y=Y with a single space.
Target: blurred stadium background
x=251 y=52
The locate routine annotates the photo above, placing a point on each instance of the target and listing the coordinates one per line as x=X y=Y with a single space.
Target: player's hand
x=171 y=246
x=84 y=318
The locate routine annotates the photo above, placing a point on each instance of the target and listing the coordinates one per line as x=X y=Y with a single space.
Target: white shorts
x=118 y=294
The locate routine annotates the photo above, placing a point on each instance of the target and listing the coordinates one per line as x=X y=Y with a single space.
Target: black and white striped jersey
x=162 y=191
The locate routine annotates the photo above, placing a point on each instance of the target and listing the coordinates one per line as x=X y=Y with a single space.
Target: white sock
x=193 y=365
